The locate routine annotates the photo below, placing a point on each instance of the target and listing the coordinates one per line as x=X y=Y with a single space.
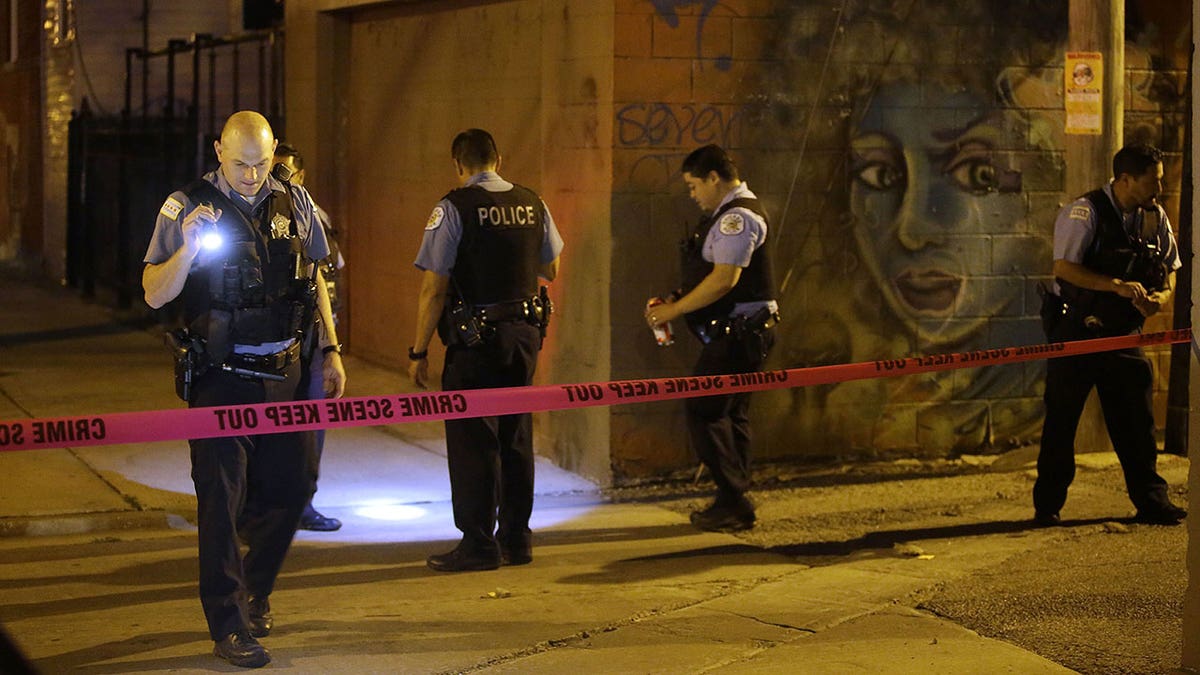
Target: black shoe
x=722 y=519
x=1046 y=519
x=241 y=649
x=459 y=560
x=261 y=620
x=319 y=523
x=515 y=556
x=1161 y=515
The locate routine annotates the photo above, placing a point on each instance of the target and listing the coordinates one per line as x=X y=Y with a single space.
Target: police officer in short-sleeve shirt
x=484 y=248
x=248 y=296
x=728 y=300
x=1114 y=264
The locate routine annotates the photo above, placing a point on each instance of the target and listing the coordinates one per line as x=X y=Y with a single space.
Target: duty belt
x=268 y=362
x=738 y=326
x=517 y=310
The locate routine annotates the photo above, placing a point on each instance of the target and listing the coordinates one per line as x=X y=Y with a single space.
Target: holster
x=751 y=330
x=1053 y=309
x=190 y=360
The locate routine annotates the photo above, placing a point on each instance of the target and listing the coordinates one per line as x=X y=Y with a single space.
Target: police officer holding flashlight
x=248 y=294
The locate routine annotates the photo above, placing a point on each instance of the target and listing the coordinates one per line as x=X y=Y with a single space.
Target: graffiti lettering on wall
x=667 y=10
x=655 y=124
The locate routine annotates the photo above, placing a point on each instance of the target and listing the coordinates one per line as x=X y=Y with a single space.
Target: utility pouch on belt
x=190 y=360
x=459 y=325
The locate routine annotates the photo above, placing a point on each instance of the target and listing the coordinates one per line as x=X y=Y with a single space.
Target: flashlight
x=210 y=236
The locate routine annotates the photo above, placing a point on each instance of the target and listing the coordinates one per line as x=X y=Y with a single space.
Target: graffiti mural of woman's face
x=933 y=216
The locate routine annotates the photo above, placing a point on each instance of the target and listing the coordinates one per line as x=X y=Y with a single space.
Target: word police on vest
x=210 y=236
x=506 y=216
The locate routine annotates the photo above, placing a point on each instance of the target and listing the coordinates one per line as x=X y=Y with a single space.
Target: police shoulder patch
x=732 y=223
x=171 y=208
x=1081 y=212
x=435 y=218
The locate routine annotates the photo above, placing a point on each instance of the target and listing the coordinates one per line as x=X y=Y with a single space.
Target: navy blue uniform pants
x=1123 y=380
x=253 y=487
x=491 y=459
x=719 y=426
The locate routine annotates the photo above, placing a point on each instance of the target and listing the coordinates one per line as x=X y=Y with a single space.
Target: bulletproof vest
x=499 y=254
x=258 y=286
x=756 y=282
x=1117 y=253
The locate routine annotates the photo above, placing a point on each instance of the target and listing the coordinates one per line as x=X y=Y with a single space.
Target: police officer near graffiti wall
x=331 y=269
x=237 y=249
x=485 y=245
x=728 y=301
x=1114 y=265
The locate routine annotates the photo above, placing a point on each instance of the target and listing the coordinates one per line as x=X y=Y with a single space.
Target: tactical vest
x=756 y=282
x=258 y=287
x=1117 y=253
x=500 y=251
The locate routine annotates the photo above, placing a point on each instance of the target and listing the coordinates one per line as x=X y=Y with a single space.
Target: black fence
x=121 y=169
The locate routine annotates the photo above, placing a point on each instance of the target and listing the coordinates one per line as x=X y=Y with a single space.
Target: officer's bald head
x=245 y=151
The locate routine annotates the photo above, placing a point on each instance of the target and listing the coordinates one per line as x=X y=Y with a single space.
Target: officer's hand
x=1130 y=289
x=1150 y=306
x=660 y=313
x=195 y=222
x=419 y=372
x=335 y=375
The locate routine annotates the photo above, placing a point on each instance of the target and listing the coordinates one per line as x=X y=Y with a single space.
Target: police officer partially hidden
x=728 y=301
x=331 y=268
x=237 y=248
x=485 y=245
x=1114 y=265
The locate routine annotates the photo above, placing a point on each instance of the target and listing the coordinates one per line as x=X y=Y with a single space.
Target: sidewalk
x=625 y=587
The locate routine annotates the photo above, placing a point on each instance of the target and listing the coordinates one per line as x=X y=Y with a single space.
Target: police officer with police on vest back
x=728 y=301
x=1114 y=265
x=237 y=248
x=485 y=245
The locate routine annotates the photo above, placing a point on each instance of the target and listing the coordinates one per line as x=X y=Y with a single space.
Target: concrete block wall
x=911 y=160
x=887 y=243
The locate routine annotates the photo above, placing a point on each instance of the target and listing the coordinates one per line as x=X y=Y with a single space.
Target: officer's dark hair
x=710 y=158
x=1136 y=159
x=474 y=148
x=289 y=150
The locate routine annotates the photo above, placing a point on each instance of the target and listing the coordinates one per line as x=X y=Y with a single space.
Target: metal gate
x=121 y=168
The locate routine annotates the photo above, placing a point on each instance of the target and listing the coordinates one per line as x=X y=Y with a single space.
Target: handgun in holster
x=543 y=308
x=190 y=360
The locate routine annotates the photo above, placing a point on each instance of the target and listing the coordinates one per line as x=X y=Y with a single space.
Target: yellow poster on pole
x=1084 y=89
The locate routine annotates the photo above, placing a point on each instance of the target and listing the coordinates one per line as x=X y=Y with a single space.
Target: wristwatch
x=417 y=356
x=331 y=348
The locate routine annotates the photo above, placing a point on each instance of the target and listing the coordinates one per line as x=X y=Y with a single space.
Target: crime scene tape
x=266 y=418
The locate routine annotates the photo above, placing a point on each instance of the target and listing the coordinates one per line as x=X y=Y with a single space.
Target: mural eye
x=974 y=175
x=881 y=176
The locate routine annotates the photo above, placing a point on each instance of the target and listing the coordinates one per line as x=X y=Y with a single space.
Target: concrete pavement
x=97 y=573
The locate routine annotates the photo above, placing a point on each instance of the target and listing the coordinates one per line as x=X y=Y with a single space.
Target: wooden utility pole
x=1097 y=26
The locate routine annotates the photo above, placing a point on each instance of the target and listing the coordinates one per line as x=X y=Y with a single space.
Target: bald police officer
x=485 y=245
x=237 y=248
x=728 y=301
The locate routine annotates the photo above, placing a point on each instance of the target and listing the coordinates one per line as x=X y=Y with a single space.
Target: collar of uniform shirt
x=237 y=198
x=488 y=180
x=742 y=190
